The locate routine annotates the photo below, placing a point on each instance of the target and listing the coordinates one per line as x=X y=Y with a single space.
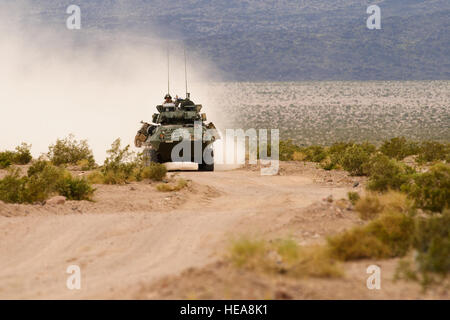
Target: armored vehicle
x=179 y=122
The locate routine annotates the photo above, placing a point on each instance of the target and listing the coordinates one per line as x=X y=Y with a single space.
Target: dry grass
x=155 y=172
x=284 y=257
x=390 y=235
x=96 y=177
x=167 y=187
x=369 y=206
x=372 y=205
x=298 y=156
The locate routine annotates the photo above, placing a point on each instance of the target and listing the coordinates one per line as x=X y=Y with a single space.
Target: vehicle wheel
x=150 y=155
x=207 y=167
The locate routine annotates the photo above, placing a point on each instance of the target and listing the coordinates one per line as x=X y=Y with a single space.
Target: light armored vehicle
x=175 y=123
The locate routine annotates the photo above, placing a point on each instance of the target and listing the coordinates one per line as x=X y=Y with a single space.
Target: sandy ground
x=136 y=242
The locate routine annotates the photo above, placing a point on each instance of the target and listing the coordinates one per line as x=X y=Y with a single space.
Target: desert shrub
x=37 y=167
x=22 y=154
x=96 y=177
x=432 y=251
x=353 y=197
x=385 y=173
x=399 y=148
x=395 y=230
x=12 y=187
x=284 y=257
x=329 y=164
x=334 y=153
x=6 y=159
x=314 y=261
x=396 y=201
x=368 y=147
x=339 y=148
x=371 y=205
x=430 y=151
x=248 y=253
x=390 y=235
x=298 y=156
x=167 y=187
x=287 y=149
x=353 y=159
x=357 y=244
x=121 y=165
x=42 y=181
x=75 y=188
x=70 y=151
x=287 y=249
x=314 y=153
x=84 y=165
x=431 y=190
x=432 y=242
x=155 y=172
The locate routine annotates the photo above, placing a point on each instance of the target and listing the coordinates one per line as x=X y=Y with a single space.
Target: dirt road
x=120 y=242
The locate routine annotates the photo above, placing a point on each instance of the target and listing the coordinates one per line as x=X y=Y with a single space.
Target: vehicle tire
x=150 y=155
x=206 y=167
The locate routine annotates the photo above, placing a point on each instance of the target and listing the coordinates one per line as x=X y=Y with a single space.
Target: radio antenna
x=185 y=73
x=168 y=70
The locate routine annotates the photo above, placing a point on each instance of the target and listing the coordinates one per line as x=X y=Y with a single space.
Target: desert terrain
x=133 y=242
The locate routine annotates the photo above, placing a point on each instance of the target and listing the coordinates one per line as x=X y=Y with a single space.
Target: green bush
x=96 y=177
x=430 y=151
x=23 y=154
x=314 y=153
x=369 y=206
x=399 y=148
x=166 y=187
x=395 y=230
x=385 y=173
x=121 y=166
x=432 y=242
x=293 y=260
x=70 y=151
x=390 y=235
x=335 y=153
x=12 y=187
x=357 y=244
x=6 y=159
x=431 y=190
x=353 y=159
x=42 y=184
x=155 y=172
x=372 y=205
x=368 y=147
x=42 y=181
x=329 y=163
x=286 y=150
x=339 y=147
x=353 y=197
x=75 y=188
x=37 y=167
x=432 y=251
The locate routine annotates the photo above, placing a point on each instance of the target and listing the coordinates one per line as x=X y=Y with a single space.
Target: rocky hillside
x=285 y=40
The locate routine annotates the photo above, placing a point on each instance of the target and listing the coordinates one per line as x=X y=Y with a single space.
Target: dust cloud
x=95 y=84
